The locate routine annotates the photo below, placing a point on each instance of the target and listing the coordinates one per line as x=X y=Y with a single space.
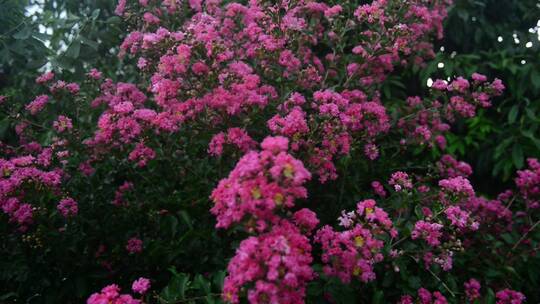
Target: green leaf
x=378 y=297
x=95 y=14
x=176 y=290
x=186 y=218
x=4 y=124
x=512 y=115
x=490 y=299
x=535 y=79
x=24 y=33
x=94 y=45
x=517 y=156
x=74 y=49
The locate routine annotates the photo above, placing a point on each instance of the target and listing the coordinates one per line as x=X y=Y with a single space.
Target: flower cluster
x=508 y=296
x=425 y=297
x=472 y=289
x=306 y=78
x=260 y=184
x=430 y=232
x=236 y=137
x=276 y=263
x=22 y=176
x=400 y=181
x=111 y=293
x=354 y=252
x=528 y=183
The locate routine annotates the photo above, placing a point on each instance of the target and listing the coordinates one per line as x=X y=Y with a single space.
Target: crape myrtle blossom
x=528 y=183
x=472 y=289
x=111 y=293
x=276 y=265
x=269 y=82
x=352 y=253
x=424 y=297
x=261 y=184
x=17 y=173
x=508 y=296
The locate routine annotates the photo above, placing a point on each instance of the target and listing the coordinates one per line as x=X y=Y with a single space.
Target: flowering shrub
x=247 y=129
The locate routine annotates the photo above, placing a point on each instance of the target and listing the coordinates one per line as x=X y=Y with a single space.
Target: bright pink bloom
x=141 y=285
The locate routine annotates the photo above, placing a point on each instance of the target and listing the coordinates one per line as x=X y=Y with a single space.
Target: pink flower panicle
x=508 y=296
x=261 y=183
x=400 y=181
x=472 y=290
x=430 y=232
x=141 y=285
x=68 y=207
x=111 y=294
x=354 y=252
x=134 y=245
x=275 y=264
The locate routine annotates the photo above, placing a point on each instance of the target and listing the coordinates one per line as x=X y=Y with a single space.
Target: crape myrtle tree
x=257 y=152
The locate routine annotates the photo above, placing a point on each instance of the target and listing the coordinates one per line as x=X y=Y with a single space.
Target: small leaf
x=74 y=49
x=378 y=297
x=95 y=14
x=4 y=124
x=94 y=45
x=24 y=33
x=517 y=156
x=512 y=115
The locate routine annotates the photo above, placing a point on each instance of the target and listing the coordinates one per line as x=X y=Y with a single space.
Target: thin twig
x=525 y=235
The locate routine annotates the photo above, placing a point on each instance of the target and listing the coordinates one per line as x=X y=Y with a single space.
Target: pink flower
x=371 y=151
x=134 y=245
x=472 y=289
x=430 y=232
x=94 y=74
x=260 y=182
x=378 y=188
x=333 y=11
x=120 y=8
x=275 y=144
x=141 y=285
x=37 y=104
x=200 y=68
x=68 y=207
x=62 y=123
x=400 y=181
x=306 y=220
x=274 y=266
x=458 y=186
x=141 y=154
x=479 y=78
x=45 y=77
x=497 y=86
x=111 y=294
x=508 y=296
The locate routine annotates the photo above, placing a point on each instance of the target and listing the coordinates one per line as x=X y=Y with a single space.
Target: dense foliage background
x=184 y=255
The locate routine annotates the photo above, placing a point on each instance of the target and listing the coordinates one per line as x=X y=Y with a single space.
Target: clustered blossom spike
x=275 y=263
x=508 y=296
x=31 y=172
x=400 y=181
x=528 y=183
x=261 y=184
x=449 y=167
x=430 y=232
x=472 y=289
x=271 y=80
x=425 y=297
x=354 y=252
x=111 y=293
x=236 y=137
